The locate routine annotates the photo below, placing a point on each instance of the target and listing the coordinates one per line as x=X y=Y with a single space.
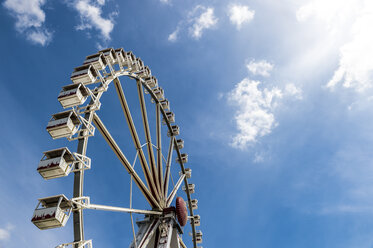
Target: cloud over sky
x=350 y=20
x=90 y=13
x=261 y=67
x=198 y=20
x=240 y=14
x=30 y=19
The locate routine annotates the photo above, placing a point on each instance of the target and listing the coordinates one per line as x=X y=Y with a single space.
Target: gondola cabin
x=197 y=220
x=184 y=158
x=52 y=212
x=73 y=95
x=129 y=59
x=145 y=72
x=63 y=124
x=159 y=93
x=97 y=60
x=191 y=187
x=199 y=237
x=175 y=131
x=188 y=172
x=165 y=104
x=194 y=203
x=180 y=143
x=140 y=63
x=109 y=55
x=56 y=163
x=84 y=74
x=135 y=67
x=121 y=56
x=170 y=117
x=151 y=82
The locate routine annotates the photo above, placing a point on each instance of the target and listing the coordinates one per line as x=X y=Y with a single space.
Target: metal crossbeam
x=109 y=139
x=175 y=189
x=159 y=148
x=168 y=165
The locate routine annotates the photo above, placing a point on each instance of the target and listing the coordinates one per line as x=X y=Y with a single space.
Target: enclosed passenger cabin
x=73 y=95
x=197 y=220
x=129 y=59
x=198 y=236
x=159 y=93
x=109 y=55
x=175 y=131
x=180 y=144
x=84 y=74
x=151 y=81
x=194 y=203
x=121 y=56
x=170 y=117
x=191 y=187
x=140 y=63
x=165 y=104
x=56 y=163
x=145 y=72
x=63 y=124
x=52 y=212
x=188 y=172
x=97 y=60
x=184 y=158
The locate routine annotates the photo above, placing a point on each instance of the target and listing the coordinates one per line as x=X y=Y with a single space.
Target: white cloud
x=262 y=67
x=292 y=90
x=165 y=1
x=30 y=19
x=202 y=21
x=254 y=117
x=197 y=21
x=240 y=14
x=5 y=232
x=91 y=17
x=350 y=21
x=174 y=35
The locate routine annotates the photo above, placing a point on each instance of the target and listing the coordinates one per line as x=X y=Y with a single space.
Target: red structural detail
x=181 y=211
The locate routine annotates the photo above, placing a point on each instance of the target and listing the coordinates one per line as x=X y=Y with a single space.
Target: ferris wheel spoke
x=136 y=141
x=159 y=148
x=168 y=165
x=175 y=189
x=148 y=137
x=109 y=139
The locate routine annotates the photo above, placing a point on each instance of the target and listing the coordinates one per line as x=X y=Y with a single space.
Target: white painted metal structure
x=159 y=227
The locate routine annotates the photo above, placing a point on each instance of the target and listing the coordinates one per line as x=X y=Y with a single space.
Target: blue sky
x=273 y=98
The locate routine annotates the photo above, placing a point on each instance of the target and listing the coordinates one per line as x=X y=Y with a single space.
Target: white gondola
x=129 y=59
x=52 y=212
x=97 y=60
x=180 y=144
x=184 y=158
x=165 y=104
x=151 y=82
x=56 y=163
x=159 y=93
x=121 y=56
x=194 y=203
x=63 y=124
x=84 y=74
x=170 y=117
x=188 y=173
x=175 y=131
x=109 y=55
x=199 y=236
x=140 y=64
x=73 y=95
x=197 y=220
x=135 y=65
x=191 y=187
x=145 y=72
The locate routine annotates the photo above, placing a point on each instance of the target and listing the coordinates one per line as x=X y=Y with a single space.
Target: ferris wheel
x=163 y=224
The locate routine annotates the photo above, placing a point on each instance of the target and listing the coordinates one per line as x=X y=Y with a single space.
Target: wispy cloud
x=30 y=20
x=254 y=117
x=240 y=14
x=5 y=232
x=197 y=21
x=262 y=67
x=90 y=13
x=350 y=20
